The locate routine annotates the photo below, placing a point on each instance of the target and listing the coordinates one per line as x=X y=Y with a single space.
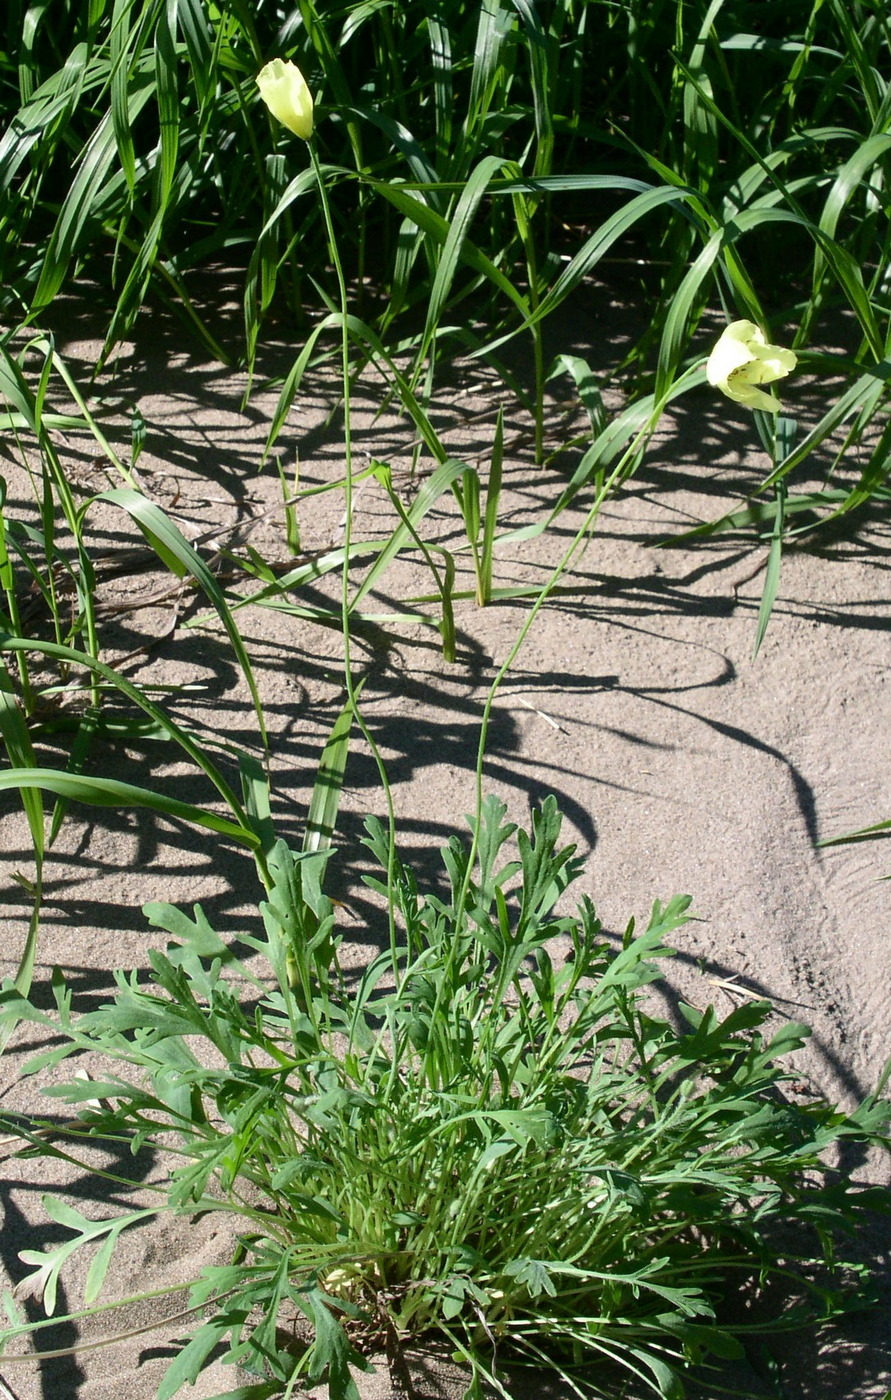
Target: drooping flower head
x=283 y=88
x=742 y=359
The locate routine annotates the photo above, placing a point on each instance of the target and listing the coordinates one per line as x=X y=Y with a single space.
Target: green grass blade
x=120 y=116
x=441 y=62
x=175 y=551
x=292 y=383
x=848 y=181
x=435 y=486
x=109 y=792
x=490 y=520
x=75 y=222
x=540 y=65
x=17 y=741
x=585 y=382
x=675 y=334
x=266 y=259
x=594 y=248
x=700 y=127
x=334 y=76
x=69 y=655
x=755 y=515
x=772 y=573
x=45 y=346
x=43 y=114
x=193 y=21
x=412 y=150
x=445 y=586
x=867 y=833
x=432 y=223
x=852 y=29
x=862 y=396
x=873 y=476
x=843 y=265
x=324 y=804
x=450 y=256
x=80 y=748
x=631 y=427
x=492 y=30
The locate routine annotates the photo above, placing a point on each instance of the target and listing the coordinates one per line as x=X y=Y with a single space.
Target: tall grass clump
x=132 y=142
x=57 y=688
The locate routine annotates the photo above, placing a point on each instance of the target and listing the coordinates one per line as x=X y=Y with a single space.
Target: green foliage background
x=136 y=146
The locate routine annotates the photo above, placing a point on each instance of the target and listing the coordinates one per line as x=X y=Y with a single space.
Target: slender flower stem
x=623 y=467
x=537 y=354
x=523 y=212
x=345 y=607
x=347 y=420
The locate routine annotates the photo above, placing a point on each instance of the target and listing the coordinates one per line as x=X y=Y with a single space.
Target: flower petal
x=742 y=359
x=728 y=355
x=776 y=362
x=740 y=389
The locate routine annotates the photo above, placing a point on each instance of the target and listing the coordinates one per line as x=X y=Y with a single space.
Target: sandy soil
x=681 y=764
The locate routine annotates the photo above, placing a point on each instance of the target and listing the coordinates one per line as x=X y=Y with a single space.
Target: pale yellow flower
x=742 y=359
x=283 y=89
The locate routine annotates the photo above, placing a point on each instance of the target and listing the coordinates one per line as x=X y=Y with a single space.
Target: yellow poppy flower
x=742 y=359
x=283 y=89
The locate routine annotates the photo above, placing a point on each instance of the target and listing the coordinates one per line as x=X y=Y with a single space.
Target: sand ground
x=681 y=764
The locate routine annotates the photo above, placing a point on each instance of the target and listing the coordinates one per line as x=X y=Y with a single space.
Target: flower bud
x=283 y=89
